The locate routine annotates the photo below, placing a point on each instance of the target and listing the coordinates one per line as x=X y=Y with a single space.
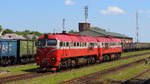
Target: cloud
x=69 y=3
x=113 y=10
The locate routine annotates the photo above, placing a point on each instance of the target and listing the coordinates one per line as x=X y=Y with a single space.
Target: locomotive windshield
x=51 y=42
x=46 y=42
x=41 y=42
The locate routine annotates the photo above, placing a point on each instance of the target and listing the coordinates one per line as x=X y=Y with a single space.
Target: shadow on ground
x=31 y=70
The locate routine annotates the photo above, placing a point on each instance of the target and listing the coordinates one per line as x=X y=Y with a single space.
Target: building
x=30 y=36
x=12 y=36
x=85 y=29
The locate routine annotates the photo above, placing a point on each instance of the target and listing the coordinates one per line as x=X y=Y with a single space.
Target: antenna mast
x=86 y=13
x=137 y=26
x=63 y=25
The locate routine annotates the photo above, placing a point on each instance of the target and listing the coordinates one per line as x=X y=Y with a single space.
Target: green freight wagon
x=26 y=51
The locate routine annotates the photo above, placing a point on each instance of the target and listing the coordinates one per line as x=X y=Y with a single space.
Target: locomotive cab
x=47 y=52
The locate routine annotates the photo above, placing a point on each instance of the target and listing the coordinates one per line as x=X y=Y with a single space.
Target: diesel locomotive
x=55 y=51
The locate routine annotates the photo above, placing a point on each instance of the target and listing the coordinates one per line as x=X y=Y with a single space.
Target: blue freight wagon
x=17 y=51
x=8 y=51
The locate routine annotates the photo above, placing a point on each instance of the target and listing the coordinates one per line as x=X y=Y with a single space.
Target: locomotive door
x=65 y=49
x=100 y=54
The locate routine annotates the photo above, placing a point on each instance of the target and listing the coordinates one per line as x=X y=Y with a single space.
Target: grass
x=124 y=74
x=136 y=52
x=59 y=77
x=145 y=76
x=16 y=70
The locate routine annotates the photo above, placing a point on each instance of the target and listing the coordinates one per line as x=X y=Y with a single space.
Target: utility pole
x=137 y=27
x=54 y=31
x=86 y=13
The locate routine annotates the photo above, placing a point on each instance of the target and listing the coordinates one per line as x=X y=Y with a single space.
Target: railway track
x=135 y=79
x=86 y=79
x=147 y=81
x=16 y=65
x=34 y=74
x=21 y=77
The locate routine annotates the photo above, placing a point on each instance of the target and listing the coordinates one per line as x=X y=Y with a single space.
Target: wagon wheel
x=4 y=62
x=9 y=62
x=23 y=60
x=27 y=60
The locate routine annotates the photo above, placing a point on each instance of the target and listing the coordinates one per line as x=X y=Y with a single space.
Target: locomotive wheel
x=119 y=56
x=93 y=60
x=73 y=64
x=88 y=60
x=68 y=65
x=112 y=56
x=106 y=57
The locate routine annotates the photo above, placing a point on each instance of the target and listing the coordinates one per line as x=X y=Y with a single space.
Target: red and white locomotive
x=69 y=50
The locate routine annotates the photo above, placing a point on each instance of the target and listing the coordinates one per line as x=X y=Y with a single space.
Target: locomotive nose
x=45 y=62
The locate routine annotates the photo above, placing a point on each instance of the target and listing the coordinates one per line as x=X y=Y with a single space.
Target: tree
x=72 y=32
x=1 y=28
x=8 y=31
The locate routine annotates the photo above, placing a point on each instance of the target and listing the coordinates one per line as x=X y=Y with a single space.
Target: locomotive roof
x=80 y=38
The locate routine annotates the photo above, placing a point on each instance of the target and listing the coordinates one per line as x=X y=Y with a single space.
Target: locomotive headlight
x=53 y=59
x=37 y=58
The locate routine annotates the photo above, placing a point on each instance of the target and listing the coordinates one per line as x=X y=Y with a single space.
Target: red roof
x=103 y=39
x=80 y=38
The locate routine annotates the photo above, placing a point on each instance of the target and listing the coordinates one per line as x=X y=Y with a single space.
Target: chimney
x=84 y=26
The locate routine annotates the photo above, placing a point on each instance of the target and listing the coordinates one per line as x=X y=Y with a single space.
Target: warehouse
x=86 y=29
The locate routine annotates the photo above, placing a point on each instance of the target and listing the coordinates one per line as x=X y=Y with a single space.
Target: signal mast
x=137 y=27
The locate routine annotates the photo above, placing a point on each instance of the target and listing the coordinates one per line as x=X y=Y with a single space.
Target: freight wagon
x=135 y=46
x=16 y=51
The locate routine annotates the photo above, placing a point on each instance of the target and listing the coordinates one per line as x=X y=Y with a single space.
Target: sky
x=46 y=15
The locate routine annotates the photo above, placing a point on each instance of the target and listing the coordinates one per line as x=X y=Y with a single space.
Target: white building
x=12 y=36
